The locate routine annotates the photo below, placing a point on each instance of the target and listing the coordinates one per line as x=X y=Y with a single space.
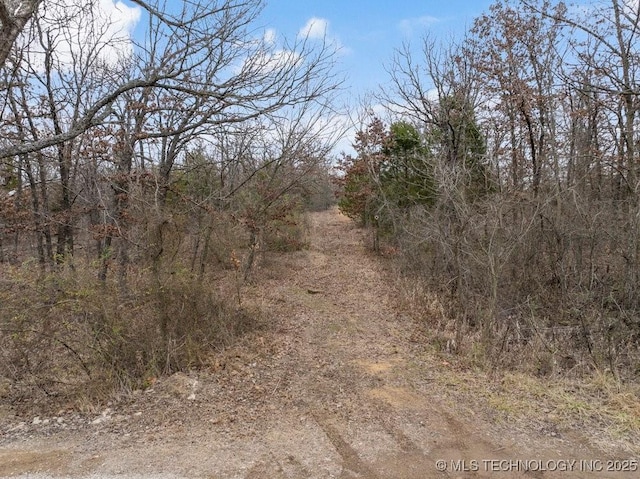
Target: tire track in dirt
x=336 y=393
x=354 y=322
x=368 y=342
x=351 y=461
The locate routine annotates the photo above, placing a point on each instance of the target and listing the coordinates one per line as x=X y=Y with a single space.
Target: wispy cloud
x=315 y=28
x=270 y=36
x=101 y=31
x=409 y=25
x=318 y=29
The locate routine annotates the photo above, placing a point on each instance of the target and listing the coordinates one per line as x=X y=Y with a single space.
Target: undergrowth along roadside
x=514 y=389
x=599 y=407
x=67 y=336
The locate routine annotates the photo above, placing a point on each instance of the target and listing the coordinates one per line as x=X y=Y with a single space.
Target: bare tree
x=197 y=70
x=207 y=51
x=14 y=15
x=554 y=92
x=519 y=52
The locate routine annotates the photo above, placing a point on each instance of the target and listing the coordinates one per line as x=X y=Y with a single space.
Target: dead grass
x=68 y=337
x=65 y=335
x=117 y=339
x=593 y=401
x=600 y=407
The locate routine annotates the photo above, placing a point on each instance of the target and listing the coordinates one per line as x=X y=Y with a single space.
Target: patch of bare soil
x=333 y=388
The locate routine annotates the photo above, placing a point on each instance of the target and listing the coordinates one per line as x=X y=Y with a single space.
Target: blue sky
x=369 y=31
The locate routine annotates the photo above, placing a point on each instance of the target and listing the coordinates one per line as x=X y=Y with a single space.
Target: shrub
x=68 y=333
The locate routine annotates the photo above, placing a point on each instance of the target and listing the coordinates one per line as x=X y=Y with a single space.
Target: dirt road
x=331 y=389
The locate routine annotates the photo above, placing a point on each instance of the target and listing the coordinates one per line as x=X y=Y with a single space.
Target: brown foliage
x=69 y=336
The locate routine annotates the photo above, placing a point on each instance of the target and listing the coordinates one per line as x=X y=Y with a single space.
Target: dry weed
x=66 y=336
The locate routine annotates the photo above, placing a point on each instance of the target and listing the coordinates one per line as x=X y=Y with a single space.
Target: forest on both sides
x=140 y=178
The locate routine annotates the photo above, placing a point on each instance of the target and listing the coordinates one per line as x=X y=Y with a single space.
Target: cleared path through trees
x=333 y=387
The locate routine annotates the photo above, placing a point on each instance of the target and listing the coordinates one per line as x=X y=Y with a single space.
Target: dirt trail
x=331 y=390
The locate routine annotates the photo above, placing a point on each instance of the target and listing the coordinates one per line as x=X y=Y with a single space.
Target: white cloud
x=270 y=36
x=88 y=31
x=410 y=25
x=316 y=28
x=121 y=20
x=280 y=60
x=265 y=62
x=124 y=18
